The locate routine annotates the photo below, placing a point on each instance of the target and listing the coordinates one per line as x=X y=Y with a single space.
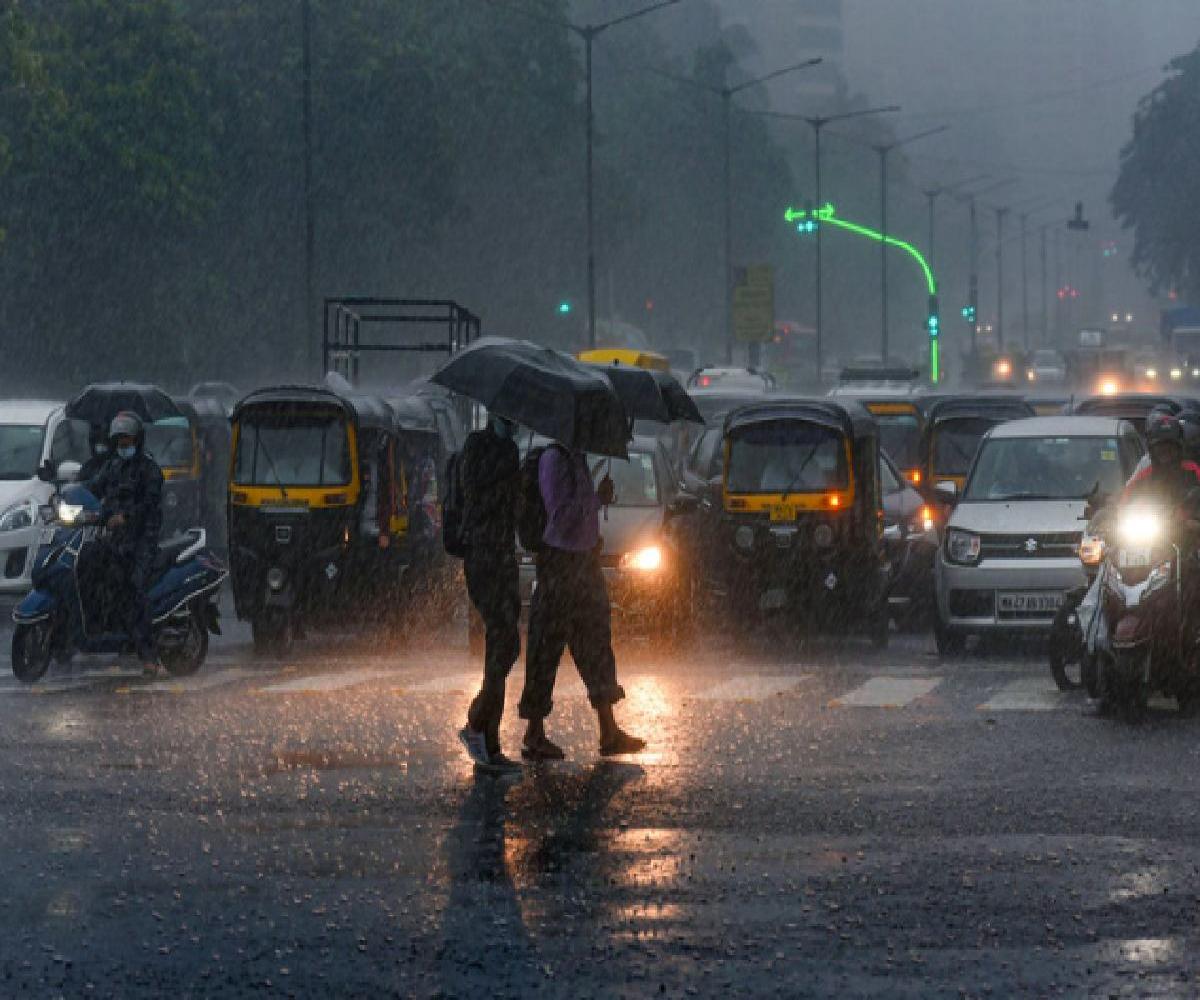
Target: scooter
x=64 y=614
x=1150 y=643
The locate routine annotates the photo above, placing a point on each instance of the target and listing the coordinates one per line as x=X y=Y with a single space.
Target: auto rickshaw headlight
x=171 y=500
x=743 y=538
x=644 y=560
x=275 y=578
x=823 y=535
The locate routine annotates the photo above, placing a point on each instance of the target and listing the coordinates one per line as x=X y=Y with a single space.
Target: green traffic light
x=564 y=308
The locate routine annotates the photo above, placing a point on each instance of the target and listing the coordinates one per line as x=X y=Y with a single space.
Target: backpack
x=531 y=520
x=454 y=533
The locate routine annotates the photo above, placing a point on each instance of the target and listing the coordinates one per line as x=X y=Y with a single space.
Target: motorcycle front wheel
x=31 y=651
x=186 y=657
x=1125 y=688
x=1066 y=646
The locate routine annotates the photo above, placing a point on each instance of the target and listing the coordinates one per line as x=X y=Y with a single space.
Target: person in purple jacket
x=570 y=606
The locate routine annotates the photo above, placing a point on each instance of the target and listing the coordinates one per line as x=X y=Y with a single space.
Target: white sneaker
x=476 y=745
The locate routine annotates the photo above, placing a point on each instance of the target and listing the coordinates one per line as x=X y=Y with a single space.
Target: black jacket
x=491 y=476
x=132 y=487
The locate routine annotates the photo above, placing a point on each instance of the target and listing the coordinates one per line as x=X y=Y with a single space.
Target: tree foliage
x=1157 y=193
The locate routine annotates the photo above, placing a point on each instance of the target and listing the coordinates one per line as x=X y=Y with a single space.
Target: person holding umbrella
x=577 y=408
x=570 y=606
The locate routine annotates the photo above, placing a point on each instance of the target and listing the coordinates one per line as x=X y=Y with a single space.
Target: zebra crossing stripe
x=1027 y=694
x=887 y=692
x=200 y=682
x=752 y=687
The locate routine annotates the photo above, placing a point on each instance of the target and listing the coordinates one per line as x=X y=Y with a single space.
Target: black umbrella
x=101 y=401
x=648 y=394
x=541 y=389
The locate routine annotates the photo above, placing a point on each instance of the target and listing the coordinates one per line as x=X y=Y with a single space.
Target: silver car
x=1010 y=549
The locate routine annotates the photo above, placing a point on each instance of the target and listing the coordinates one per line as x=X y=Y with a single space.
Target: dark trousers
x=570 y=610
x=494 y=588
x=137 y=608
x=123 y=578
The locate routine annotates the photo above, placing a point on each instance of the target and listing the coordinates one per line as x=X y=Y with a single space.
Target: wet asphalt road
x=810 y=820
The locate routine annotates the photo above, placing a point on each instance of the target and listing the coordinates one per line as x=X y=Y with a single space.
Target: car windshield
x=635 y=482
x=282 y=447
x=169 y=442
x=1046 y=468
x=955 y=442
x=786 y=456
x=1045 y=358
x=20 y=450
x=899 y=436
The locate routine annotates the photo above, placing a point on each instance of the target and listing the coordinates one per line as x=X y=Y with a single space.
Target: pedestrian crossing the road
x=903 y=688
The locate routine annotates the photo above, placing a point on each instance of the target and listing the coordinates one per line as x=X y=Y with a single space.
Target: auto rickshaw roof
x=1006 y=405
x=202 y=411
x=1126 y=405
x=414 y=414
x=845 y=415
x=364 y=410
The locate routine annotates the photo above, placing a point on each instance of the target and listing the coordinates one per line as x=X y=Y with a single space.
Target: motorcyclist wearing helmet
x=129 y=488
x=1171 y=474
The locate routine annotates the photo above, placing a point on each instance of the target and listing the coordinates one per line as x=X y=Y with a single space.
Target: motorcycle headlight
x=923 y=523
x=19 y=516
x=1140 y=526
x=68 y=513
x=962 y=547
x=645 y=560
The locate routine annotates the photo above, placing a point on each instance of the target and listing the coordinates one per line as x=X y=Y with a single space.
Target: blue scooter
x=59 y=616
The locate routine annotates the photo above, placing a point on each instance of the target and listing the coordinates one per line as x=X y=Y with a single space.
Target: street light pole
x=1001 y=212
x=1025 y=278
x=932 y=195
x=884 y=149
x=310 y=307
x=1045 y=298
x=817 y=123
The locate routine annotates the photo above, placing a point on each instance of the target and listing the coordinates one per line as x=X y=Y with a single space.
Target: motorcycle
x=1148 y=643
x=64 y=613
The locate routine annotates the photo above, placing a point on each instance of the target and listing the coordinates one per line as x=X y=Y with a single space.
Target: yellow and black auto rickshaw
x=953 y=427
x=800 y=526
x=314 y=507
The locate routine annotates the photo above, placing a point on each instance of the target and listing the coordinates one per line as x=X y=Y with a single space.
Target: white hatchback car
x=1010 y=548
x=31 y=433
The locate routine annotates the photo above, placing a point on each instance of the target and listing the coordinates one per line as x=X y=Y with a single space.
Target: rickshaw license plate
x=1037 y=602
x=783 y=512
x=1133 y=558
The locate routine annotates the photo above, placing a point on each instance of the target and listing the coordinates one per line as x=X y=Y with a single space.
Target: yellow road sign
x=754 y=304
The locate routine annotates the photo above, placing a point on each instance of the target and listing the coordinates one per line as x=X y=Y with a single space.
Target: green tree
x=1157 y=193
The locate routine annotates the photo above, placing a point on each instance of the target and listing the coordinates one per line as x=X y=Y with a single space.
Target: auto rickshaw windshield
x=787 y=456
x=169 y=441
x=291 y=449
x=955 y=443
x=900 y=437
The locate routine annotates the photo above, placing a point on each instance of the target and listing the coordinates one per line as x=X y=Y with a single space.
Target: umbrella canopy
x=649 y=394
x=544 y=390
x=101 y=401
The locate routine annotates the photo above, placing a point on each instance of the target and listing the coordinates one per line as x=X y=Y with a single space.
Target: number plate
x=783 y=512
x=1133 y=558
x=1030 y=603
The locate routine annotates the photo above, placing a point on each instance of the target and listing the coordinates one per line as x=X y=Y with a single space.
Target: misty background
x=151 y=169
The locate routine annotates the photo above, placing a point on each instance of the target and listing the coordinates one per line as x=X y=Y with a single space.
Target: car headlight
x=1140 y=526
x=645 y=560
x=19 y=516
x=1091 y=550
x=68 y=513
x=1176 y=374
x=962 y=547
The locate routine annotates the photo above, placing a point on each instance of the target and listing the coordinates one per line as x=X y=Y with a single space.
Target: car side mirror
x=68 y=471
x=946 y=491
x=45 y=471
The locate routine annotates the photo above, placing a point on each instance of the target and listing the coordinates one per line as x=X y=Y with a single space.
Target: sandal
x=543 y=749
x=622 y=743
